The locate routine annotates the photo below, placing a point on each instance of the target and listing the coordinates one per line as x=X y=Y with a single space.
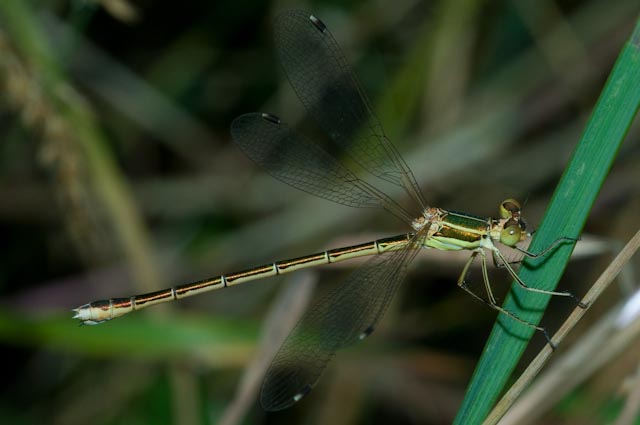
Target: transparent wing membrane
x=344 y=316
x=294 y=160
x=325 y=84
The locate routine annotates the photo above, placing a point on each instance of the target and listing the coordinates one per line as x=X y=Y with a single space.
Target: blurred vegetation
x=118 y=176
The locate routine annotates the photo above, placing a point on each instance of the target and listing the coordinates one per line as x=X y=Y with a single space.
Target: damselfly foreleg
x=500 y=256
x=491 y=302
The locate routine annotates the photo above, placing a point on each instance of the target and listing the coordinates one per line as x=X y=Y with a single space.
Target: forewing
x=324 y=82
x=294 y=160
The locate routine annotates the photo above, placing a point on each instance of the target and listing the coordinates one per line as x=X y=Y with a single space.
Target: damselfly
x=324 y=82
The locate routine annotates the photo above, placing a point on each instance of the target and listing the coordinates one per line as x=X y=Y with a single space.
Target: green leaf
x=566 y=216
x=221 y=342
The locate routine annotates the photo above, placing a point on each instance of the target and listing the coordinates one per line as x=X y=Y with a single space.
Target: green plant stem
x=605 y=131
x=109 y=184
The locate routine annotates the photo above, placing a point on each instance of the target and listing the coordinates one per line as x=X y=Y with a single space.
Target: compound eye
x=509 y=208
x=511 y=233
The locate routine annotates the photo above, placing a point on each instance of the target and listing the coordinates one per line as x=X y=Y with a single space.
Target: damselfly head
x=512 y=228
x=510 y=208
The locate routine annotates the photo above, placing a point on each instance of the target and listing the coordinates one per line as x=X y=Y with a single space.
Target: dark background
x=118 y=176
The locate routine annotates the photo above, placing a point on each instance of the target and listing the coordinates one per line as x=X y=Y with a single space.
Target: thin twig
x=631 y=408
